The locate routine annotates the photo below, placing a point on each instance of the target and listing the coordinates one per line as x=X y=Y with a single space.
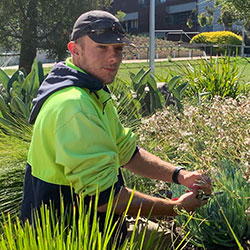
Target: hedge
x=218 y=38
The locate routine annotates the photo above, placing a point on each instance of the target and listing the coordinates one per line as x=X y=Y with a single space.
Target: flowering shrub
x=218 y=38
x=202 y=135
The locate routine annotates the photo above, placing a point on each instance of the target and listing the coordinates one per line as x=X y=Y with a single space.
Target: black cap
x=101 y=26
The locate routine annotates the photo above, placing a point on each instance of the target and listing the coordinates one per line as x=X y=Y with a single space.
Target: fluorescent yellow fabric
x=78 y=139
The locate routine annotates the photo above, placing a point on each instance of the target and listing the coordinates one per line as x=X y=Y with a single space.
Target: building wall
x=169 y=14
x=126 y=6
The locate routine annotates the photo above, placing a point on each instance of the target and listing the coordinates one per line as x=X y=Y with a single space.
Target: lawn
x=162 y=68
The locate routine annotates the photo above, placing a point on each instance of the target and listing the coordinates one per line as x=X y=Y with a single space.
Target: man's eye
x=119 y=48
x=101 y=46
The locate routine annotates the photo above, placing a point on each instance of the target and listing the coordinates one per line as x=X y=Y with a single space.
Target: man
x=78 y=142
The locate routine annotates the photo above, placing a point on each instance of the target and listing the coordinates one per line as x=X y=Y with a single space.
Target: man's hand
x=195 y=180
x=190 y=201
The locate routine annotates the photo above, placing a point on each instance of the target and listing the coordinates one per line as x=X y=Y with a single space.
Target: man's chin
x=108 y=81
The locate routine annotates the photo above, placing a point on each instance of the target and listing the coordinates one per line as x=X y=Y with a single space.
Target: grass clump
x=13 y=153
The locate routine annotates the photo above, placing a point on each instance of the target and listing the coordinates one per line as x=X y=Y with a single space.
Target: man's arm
x=148 y=165
x=152 y=205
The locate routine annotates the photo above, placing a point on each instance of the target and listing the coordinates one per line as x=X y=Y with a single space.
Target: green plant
x=50 y=233
x=215 y=76
x=17 y=93
x=176 y=91
x=13 y=153
x=128 y=107
x=225 y=220
x=150 y=97
x=145 y=87
x=218 y=38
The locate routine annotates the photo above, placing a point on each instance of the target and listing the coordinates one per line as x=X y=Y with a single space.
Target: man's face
x=101 y=61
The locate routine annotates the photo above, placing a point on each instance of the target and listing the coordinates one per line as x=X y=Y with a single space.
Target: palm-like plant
x=17 y=93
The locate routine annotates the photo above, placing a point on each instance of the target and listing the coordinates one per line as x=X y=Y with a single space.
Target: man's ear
x=73 y=48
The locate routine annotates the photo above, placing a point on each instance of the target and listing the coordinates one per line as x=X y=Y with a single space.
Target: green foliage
x=146 y=91
x=200 y=136
x=13 y=154
x=128 y=107
x=227 y=17
x=215 y=76
x=145 y=87
x=50 y=233
x=120 y=15
x=16 y=98
x=224 y=220
x=176 y=91
x=204 y=19
x=218 y=38
x=239 y=9
x=45 y=24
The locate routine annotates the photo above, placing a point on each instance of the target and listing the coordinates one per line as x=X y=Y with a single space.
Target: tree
x=239 y=8
x=231 y=11
x=28 y=25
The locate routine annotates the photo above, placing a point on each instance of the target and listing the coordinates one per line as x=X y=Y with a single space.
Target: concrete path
x=47 y=65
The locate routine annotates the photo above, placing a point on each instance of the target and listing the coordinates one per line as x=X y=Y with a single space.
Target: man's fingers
x=203 y=202
x=203 y=182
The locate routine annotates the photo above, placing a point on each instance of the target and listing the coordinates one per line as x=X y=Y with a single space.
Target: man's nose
x=114 y=55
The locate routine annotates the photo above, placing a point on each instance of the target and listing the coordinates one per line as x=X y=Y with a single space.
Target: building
x=170 y=15
x=215 y=26
x=130 y=7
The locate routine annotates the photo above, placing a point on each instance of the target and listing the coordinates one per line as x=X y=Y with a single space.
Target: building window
x=134 y=24
x=144 y=2
x=160 y=1
x=178 y=18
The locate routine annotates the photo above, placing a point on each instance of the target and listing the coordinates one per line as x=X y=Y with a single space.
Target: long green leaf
x=28 y=87
x=15 y=77
x=172 y=83
x=40 y=72
x=6 y=123
x=136 y=79
x=152 y=82
x=4 y=79
x=3 y=106
x=19 y=108
x=16 y=89
x=182 y=88
x=38 y=76
x=144 y=78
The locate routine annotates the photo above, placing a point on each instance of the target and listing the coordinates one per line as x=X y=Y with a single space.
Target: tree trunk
x=28 y=51
x=29 y=38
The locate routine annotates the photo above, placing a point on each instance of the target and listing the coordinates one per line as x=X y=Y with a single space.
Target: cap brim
x=110 y=38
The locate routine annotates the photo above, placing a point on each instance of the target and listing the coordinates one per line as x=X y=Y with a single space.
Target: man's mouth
x=110 y=69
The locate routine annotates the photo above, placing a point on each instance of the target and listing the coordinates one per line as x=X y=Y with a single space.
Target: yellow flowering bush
x=218 y=38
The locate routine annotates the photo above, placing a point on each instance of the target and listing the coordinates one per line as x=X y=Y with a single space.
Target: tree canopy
x=231 y=11
x=28 y=25
x=239 y=9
